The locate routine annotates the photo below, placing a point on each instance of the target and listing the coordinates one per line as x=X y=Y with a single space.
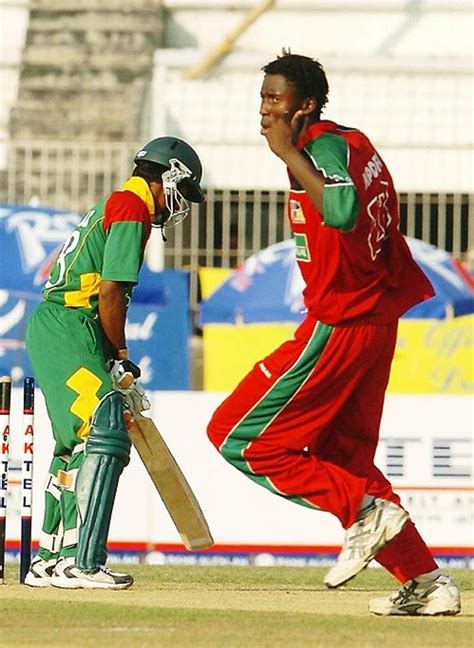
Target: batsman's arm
x=112 y=314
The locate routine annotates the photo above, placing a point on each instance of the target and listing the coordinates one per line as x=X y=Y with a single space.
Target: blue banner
x=158 y=323
x=268 y=288
x=158 y=332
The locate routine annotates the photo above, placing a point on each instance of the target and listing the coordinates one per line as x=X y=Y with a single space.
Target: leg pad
x=107 y=452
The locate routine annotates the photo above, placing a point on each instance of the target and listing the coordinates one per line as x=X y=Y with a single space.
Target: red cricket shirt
x=354 y=260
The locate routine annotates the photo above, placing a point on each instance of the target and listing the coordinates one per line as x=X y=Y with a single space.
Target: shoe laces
x=106 y=570
x=356 y=539
x=415 y=590
x=405 y=593
x=49 y=569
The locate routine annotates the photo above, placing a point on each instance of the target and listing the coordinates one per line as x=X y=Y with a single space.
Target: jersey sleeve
x=123 y=252
x=330 y=155
x=127 y=228
x=126 y=206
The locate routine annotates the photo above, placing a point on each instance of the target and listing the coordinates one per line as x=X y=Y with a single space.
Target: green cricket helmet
x=180 y=159
x=180 y=179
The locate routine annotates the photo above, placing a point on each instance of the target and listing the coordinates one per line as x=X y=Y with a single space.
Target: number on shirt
x=380 y=218
x=68 y=247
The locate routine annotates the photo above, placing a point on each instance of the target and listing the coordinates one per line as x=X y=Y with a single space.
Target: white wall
x=422 y=122
x=400 y=71
x=418 y=433
x=418 y=113
x=324 y=28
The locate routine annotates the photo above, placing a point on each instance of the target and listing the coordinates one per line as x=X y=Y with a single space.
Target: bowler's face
x=279 y=100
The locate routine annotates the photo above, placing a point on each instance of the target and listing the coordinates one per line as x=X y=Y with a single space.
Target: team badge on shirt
x=302 y=249
x=296 y=213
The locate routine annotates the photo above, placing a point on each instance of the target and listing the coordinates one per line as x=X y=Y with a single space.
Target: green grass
x=228 y=607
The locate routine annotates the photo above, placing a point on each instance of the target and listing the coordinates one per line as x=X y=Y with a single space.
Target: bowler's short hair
x=306 y=74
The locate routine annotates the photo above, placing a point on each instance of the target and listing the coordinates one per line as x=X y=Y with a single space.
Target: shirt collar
x=139 y=186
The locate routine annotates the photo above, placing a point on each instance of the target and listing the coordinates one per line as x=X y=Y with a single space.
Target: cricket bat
x=170 y=483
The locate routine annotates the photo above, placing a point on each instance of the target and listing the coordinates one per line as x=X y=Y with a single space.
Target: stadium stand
x=14 y=16
x=87 y=82
x=400 y=71
x=86 y=66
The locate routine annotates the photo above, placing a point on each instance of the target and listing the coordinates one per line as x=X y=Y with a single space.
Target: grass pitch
x=224 y=607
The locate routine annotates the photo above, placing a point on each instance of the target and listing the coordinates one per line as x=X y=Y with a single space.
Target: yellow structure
x=432 y=356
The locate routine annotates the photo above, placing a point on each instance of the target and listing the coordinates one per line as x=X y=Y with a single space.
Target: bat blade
x=171 y=484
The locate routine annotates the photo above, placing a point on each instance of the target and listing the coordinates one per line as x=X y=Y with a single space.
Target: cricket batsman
x=76 y=341
x=304 y=422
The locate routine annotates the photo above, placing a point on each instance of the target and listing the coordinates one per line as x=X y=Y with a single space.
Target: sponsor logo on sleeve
x=302 y=249
x=296 y=212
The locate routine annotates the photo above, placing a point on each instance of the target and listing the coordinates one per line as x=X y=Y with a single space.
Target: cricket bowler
x=305 y=421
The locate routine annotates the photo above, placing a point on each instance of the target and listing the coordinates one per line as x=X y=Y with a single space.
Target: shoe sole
x=38 y=583
x=348 y=579
x=384 y=541
x=89 y=585
x=397 y=612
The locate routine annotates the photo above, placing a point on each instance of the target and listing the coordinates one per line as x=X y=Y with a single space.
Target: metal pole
x=202 y=68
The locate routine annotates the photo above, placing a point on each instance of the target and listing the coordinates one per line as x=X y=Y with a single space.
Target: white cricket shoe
x=67 y=575
x=364 y=539
x=40 y=572
x=437 y=597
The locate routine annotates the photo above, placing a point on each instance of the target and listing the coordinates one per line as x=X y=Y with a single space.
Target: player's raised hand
x=297 y=122
x=281 y=132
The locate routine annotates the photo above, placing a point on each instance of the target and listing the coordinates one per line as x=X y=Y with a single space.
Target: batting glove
x=124 y=374
x=136 y=400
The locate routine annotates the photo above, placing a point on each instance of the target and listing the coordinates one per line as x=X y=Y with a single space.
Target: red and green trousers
x=305 y=421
